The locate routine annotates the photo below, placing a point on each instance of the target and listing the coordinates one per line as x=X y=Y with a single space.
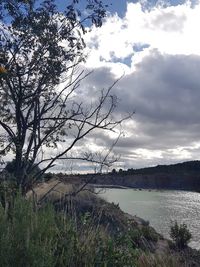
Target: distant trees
x=114 y=171
x=40 y=48
x=119 y=172
x=188 y=166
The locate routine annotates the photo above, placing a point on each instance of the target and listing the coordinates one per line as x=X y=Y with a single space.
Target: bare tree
x=40 y=49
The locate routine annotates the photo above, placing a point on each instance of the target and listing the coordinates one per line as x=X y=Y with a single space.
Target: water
x=160 y=208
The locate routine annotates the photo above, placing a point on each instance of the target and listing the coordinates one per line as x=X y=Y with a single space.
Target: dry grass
x=162 y=260
x=59 y=190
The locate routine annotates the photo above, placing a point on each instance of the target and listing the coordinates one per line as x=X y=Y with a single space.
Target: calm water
x=160 y=208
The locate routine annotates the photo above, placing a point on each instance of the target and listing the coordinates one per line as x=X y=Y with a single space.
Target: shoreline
x=110 y=186
x=113 y=186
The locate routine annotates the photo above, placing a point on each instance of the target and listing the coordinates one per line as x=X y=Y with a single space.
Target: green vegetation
x=149 y=233
x=180 y=235
x=79 y=231
x=42 y=238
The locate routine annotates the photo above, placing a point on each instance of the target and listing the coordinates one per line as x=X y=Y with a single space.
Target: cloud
x=171 y=29
x=168 y=21
x=164 y=90
x=159 y=51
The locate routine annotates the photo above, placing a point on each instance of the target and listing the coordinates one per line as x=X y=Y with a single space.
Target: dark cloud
x=166 y=89
x=165 y=92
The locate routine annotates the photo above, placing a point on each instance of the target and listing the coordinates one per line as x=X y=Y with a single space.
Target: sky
x=155 y=45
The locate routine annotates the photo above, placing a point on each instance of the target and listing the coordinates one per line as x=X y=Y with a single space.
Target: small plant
x=180 y=235
x=135 y=236
x=149 y=233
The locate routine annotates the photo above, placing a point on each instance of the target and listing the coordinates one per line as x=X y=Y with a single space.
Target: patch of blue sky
x=138 y=47
x=127 y=60
x=148 y=4
x=119 y=6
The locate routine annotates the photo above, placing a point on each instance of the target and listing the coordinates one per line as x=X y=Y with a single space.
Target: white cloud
x=171 y=30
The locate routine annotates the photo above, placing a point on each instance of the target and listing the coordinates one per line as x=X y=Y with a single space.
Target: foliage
x=149 y=233
x=135 y=235
x=48 y=176
x=40 y=49
x=180 y=235
x=44 y=238
x=10 y=168
x=142 y=236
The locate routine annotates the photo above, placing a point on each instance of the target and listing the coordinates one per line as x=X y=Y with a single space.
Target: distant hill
x=188 y=166
x=181 y=176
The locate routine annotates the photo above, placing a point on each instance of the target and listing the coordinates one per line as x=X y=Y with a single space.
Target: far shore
x=110 y=186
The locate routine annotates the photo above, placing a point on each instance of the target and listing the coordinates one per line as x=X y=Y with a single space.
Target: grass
x=44 y=238
x=81 y=231
x=150 y=260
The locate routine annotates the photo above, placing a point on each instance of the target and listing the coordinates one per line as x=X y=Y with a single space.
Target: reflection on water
x=160 y=208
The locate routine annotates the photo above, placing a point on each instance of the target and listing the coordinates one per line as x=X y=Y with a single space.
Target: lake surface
x=160 y=208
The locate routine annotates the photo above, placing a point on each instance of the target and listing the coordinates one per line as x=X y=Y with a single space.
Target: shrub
x=48 y=176
x=180 y=235
x=10 y=167
x=149 y=233
x=44 y=238
x=135 y=235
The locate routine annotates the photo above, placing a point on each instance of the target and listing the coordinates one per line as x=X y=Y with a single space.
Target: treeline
x=192 y=167
x=189 y=166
